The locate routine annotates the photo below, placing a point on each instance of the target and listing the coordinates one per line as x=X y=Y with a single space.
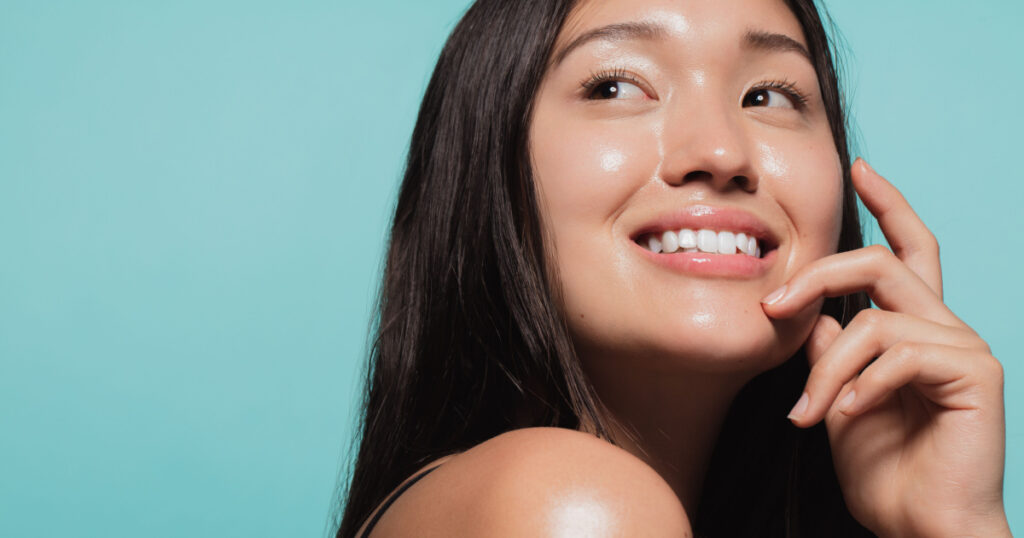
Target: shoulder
x=539 y=482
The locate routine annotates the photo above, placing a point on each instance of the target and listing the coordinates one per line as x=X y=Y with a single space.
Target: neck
x=670 y=421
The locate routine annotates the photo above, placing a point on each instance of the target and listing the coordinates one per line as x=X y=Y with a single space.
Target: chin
x=761 y=348
x=737 y=340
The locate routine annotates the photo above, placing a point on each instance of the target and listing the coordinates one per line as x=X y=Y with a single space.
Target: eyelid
x=617 y=74
x=786 y=87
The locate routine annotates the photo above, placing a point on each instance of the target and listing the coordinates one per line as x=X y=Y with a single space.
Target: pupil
x=609 y=90
x=760 y=97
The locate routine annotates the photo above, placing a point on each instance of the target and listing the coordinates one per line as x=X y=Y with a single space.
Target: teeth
x=726 y=243
x=710 y=241
x=654 y=245
x=707 y=241
x=741 y=243
x=687 y=239
x=669 y=242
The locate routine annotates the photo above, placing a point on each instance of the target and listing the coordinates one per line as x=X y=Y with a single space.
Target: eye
x=615 y=89
x=612 y=84
x=765 y=97
x=776 y=94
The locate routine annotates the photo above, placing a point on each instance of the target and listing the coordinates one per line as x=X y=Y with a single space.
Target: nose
x=706 y=142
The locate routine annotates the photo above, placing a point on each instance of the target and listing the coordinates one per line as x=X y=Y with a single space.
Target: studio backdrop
x=194 y=198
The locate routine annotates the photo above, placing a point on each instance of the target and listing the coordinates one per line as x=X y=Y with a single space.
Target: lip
x=697 y=217
x=712 y=265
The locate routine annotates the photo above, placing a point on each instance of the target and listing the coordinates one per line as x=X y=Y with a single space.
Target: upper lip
x=701 y=216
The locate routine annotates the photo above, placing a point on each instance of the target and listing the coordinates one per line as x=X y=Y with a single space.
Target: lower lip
x=713 y=265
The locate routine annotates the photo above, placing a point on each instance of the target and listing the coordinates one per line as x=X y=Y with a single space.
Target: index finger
x=909 y=238
x=876 y=270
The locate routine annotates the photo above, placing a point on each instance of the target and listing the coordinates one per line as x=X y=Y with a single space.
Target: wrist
x=995 y=526
x=992 y=524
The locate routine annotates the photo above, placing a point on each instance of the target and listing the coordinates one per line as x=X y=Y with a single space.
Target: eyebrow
x=753 y=39
x=772 y=42
x=613 y=32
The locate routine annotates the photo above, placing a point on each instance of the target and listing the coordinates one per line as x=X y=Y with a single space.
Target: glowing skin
x=667 y=345
x=580 y=514
x=690 y=135
x=675 y=136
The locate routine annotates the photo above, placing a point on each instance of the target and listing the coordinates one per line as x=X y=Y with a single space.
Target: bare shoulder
x=543 y=482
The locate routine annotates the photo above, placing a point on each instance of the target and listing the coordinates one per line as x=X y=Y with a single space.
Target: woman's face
x=665 y=116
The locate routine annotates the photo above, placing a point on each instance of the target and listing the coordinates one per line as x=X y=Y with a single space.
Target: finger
x=908 y=236
x=869 y=334
x=874 y=269
x=946 y=375
x=825 y=331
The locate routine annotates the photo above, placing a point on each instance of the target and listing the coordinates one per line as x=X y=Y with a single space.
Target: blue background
x=193 y=204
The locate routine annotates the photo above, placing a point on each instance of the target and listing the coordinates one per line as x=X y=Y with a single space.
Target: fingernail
x=800 y=408
x=847 y=401
x=774 y=296
x=871 y=168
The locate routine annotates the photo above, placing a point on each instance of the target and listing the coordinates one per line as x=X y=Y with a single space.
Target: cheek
x=585 y=173
x=806 y=181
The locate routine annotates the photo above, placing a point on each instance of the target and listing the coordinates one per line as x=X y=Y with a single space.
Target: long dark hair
x=469 y=342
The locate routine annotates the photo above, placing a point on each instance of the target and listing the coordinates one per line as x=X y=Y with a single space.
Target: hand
x=917 y=433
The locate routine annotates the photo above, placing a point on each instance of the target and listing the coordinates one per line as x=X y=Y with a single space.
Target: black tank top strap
x=391 y=499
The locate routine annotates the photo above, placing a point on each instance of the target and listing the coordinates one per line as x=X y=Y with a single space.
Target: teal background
x=193 y=204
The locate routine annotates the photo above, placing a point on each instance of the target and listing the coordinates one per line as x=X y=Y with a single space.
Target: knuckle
x=882 y=259
x=975 y=342
x=870 y=324
x=995 y=369
x=878 y=252
x=905 y=351
x=929 y=243
x=868 y=319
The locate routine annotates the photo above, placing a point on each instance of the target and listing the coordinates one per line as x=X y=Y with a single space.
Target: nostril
x=697 y=175
x=738 y=181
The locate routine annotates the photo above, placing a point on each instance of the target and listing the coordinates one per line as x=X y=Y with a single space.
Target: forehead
x=687 y=20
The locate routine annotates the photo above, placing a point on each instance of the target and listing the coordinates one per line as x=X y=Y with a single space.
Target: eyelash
x=614 y=75
x=787 y=87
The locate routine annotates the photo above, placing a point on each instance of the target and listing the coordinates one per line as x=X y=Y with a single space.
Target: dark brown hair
x=469 y=342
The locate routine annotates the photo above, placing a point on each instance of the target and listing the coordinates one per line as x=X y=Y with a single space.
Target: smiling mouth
x=706 y=241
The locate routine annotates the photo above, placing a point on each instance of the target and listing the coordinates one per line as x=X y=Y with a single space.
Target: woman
x=626 y=248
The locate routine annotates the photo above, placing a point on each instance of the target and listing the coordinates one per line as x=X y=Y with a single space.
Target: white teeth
x=669 y=241
x=707 y=241
x=687 y=239
x=710 y=241
x=741 y=242
x=654 y=245
x=726 y=243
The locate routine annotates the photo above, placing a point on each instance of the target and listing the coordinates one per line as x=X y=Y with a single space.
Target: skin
x=919 y=448
x=676 y=134
x=679 y=135
x=918 y=436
